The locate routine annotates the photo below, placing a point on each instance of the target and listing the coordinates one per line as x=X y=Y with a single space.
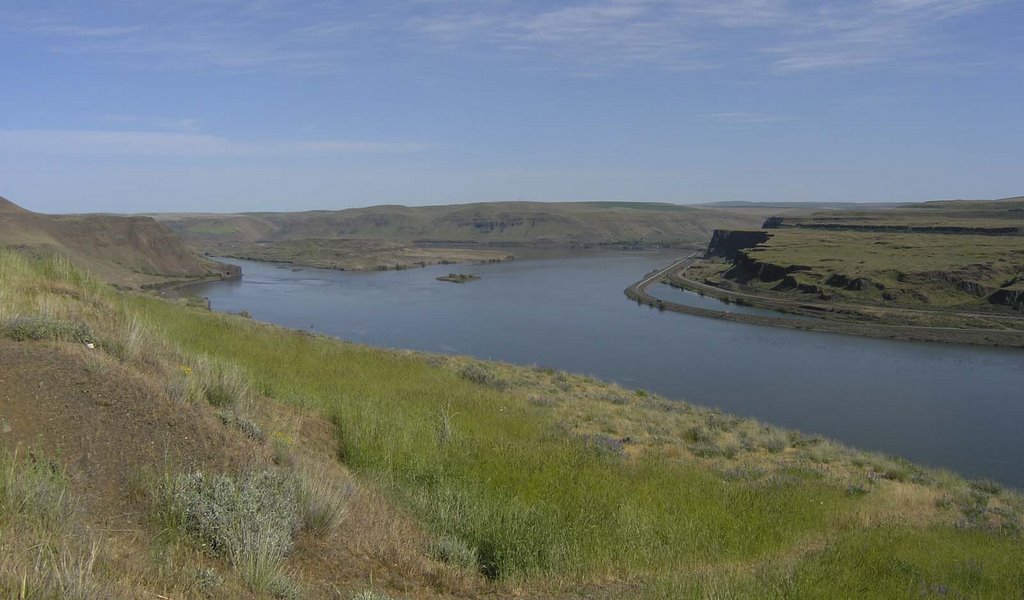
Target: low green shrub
x=41 y=328
x=484 y=375
x=698 y=434
x=250 y=520
x=247 y=427
x=452 y=550
x=773 y=440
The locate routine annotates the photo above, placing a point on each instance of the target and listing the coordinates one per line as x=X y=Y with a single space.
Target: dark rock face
x=973 y=288
x=772 y=223
x=838 y=280
x=746 y=269
x=790 y=283
x=228 y=271
x=856 y=284
x=1011 y=295
x=727 y=244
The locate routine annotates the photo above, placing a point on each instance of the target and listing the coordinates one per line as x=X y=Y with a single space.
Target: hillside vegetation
x=130 y=251
x=424 y=476
x=582 y=223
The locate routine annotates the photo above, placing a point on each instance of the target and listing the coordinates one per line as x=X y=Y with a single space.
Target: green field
x=919 y=270
x=942 y=256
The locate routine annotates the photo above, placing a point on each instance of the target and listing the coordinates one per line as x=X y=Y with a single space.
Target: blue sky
x=226 y=105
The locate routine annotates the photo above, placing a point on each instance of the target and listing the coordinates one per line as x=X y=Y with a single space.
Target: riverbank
x=826 y=319
x=354 y=255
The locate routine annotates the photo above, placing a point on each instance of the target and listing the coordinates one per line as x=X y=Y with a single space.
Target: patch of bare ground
x=104 y=423
x=115 y=432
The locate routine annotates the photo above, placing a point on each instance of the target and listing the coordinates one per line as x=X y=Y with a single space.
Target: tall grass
x=892 y=561
x=503 y=480
x=323 y=500
x=39 y=551
x=32 y=490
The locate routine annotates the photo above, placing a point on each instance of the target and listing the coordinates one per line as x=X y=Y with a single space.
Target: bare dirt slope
x=102 y=423
x=130 y=251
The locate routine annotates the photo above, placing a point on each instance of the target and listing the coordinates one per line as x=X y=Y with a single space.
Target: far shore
x=356 y=255
x=953 y=335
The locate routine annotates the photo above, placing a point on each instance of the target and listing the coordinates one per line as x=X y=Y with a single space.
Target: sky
x=232 y=105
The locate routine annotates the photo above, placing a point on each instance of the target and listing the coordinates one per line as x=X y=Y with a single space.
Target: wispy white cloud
x=588 y=35
x=881 y=31
x=792 y=35
x=98 y=143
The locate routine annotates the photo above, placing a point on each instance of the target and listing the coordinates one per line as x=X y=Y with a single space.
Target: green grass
x=895 y=561
x=890 y=561
x=528 y=498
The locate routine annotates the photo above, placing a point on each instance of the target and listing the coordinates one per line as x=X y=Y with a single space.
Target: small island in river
x=458 y=277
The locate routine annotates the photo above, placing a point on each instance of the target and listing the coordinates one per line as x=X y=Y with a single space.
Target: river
x=956 y=407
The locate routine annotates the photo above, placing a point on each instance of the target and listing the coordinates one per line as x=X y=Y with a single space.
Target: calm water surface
x=952 y=406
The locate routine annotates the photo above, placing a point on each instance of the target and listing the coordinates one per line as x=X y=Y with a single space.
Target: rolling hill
x=130 y=251
x=511 y=223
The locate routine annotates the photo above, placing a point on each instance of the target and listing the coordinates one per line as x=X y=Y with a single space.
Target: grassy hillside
x=129 y=251
x=491 y=223
x=426 y=476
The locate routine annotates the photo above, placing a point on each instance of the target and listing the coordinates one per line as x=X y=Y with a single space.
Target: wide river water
x=957 y=407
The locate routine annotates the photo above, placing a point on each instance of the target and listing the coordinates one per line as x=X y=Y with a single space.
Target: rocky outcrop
x=855 y=284
x=791 y=283
x=746 y=269
x=1014 y=298
x=1010 y=294
x=727 y=243
x=963 y=280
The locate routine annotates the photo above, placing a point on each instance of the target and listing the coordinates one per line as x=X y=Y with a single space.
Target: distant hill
x=577 y=223
x=802 y=205
x=986 y=217
x=128 y=251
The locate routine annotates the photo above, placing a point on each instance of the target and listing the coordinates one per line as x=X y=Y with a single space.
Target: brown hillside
x=6 y=206
x=129 y=251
